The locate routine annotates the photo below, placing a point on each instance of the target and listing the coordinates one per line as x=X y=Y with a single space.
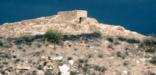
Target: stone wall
x=71 y=15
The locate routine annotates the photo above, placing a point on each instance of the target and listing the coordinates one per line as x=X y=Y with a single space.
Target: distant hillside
x=69 y=22
x=71 y=43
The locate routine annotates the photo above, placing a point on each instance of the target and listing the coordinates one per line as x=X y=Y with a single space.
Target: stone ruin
x=72 y=15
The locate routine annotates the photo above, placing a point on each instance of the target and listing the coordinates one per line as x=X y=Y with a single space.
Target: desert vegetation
x=92 y=43
x=97 y=34
x=86 y=48
x=129 y=40
x=54 y=36
x=26 y=39
x=90 y=69
x=149 y=44
x=153 y=60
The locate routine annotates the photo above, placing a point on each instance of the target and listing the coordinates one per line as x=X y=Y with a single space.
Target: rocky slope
x=68 y=22
x=117 y=51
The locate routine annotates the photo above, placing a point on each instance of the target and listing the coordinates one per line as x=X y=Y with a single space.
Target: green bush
x=133 y=40
x=153 y=60
x=129 y=40
x=54 y=36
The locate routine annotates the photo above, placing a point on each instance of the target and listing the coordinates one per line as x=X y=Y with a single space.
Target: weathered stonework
x=71 y=15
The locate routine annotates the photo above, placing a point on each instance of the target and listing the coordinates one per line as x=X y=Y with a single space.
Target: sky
x=136 y=15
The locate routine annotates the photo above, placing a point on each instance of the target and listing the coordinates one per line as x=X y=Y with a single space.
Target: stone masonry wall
x=71 y=15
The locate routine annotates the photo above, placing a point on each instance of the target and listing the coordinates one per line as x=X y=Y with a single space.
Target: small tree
x=54 y=36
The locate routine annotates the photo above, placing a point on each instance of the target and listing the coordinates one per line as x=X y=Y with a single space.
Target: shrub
x=27 y=39
x=152 y=73
x=110 y=39
x=100 y=55
x=149 y=44
x=97 y=34
x=153 y=60
x=150 y=49
x=83 y=60
x=113 y=40
x=100 y=69
x=129 y=40
x=5 y=43
x=54 y=36
x=1 y=43
x=73 y=73
x=133 y=40
x=121 y=38
x=151 y=41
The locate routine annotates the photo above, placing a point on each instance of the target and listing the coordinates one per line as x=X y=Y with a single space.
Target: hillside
x=82 y=46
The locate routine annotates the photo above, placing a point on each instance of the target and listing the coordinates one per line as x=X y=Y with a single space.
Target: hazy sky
x=138 y=15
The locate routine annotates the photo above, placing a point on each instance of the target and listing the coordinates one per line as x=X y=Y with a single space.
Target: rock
x=48 y=72
x=23 y=68
x=57 y=58
x=51 y=68
x=71 y=62
x=7 y=73
x=64 y=69
x=125 y=72
x=137 y=61
x=40 y=72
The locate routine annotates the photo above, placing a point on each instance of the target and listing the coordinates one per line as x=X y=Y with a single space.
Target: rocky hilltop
x=82 y=46
x=69 y=22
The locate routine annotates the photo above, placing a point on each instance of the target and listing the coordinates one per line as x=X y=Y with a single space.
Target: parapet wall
x=71 y=15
